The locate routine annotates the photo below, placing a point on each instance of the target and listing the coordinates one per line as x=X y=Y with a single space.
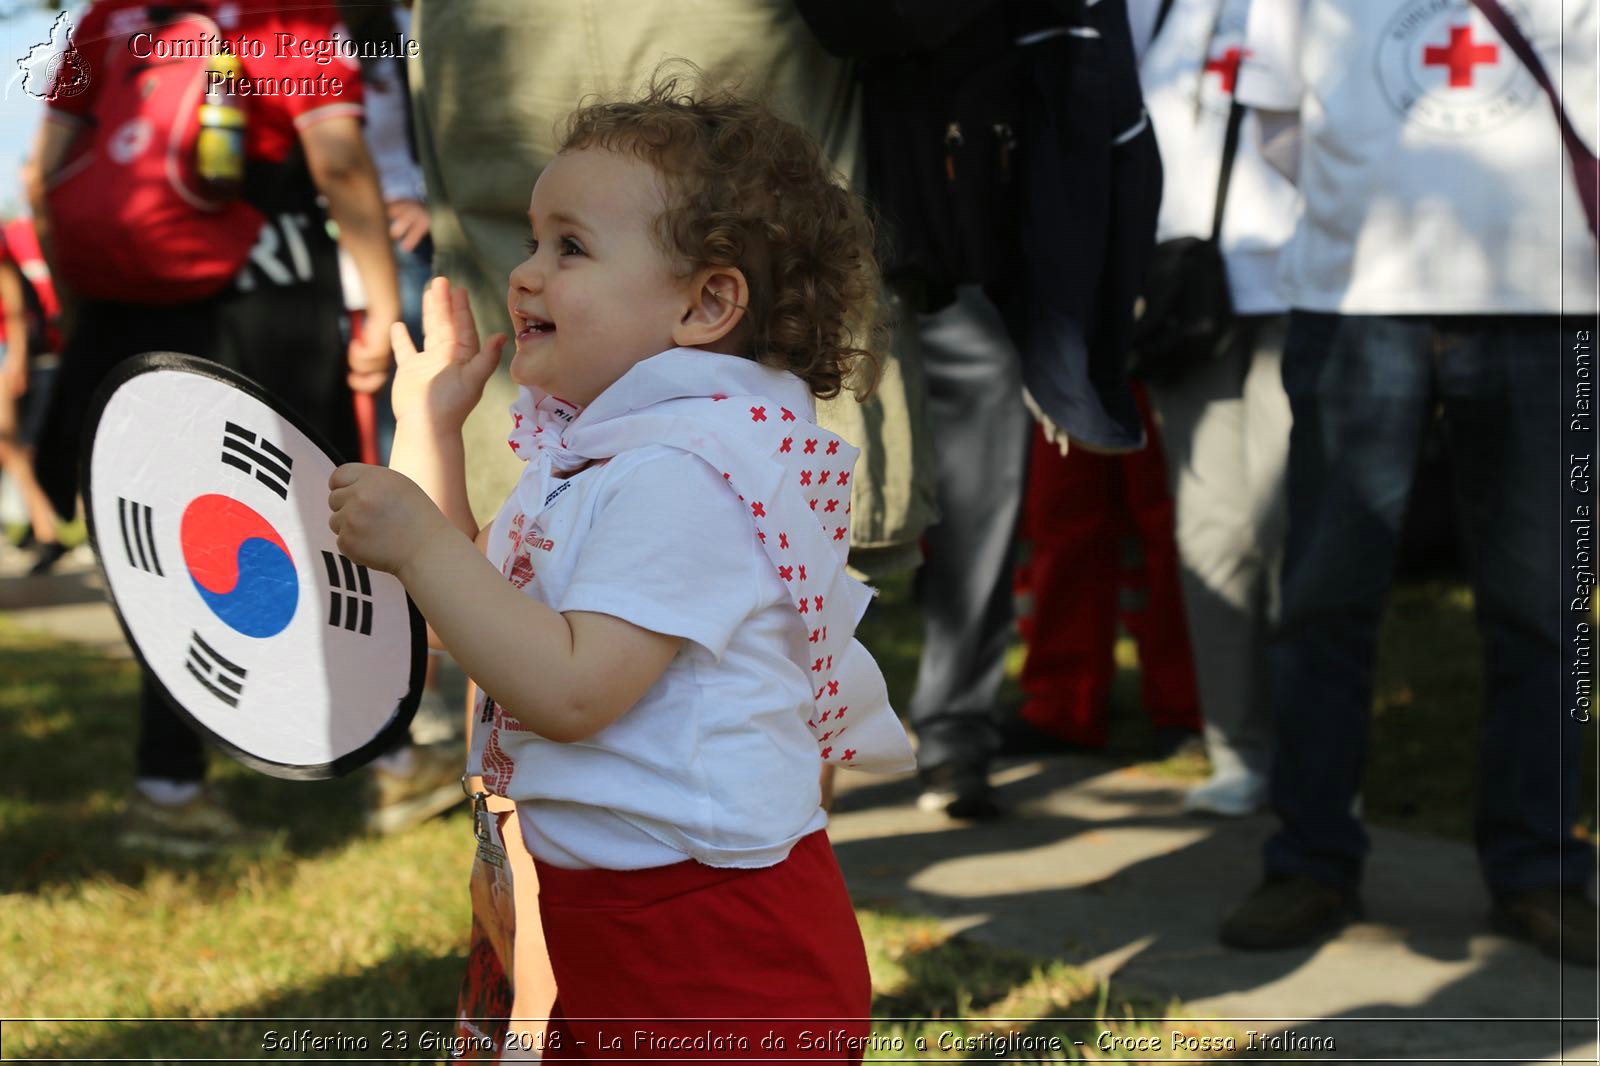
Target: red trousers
x=1078 y=510
x=698 y=963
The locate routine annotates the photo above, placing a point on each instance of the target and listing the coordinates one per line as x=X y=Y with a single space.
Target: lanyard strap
x=1585 y=168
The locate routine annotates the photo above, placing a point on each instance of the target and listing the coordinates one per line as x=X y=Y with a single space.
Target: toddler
x=662 y=636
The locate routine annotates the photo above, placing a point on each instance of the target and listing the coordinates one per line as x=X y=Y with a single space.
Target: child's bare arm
x=434 y=391
x=564 y=676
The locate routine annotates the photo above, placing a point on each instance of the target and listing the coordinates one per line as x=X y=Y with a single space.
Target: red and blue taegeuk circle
x=240 y=565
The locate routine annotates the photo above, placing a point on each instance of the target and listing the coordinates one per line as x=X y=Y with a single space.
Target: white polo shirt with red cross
x=1188 y=71
x=1431 y=164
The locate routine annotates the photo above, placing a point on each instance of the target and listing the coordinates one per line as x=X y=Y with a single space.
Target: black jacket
x=1007 y=145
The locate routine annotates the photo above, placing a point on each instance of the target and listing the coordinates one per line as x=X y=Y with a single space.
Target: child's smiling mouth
x=530 y=326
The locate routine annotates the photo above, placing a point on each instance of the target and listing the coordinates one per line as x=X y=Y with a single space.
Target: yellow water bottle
x=219 y=148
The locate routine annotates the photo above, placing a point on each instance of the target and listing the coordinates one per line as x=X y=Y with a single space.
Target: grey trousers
x=980 y=429
x=1225 y=431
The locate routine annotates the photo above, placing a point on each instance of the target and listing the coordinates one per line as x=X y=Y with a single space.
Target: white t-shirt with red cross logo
x=1431 y=164
x=1189 y=70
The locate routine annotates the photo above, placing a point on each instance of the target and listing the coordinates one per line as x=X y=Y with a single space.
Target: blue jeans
x=1360 y=389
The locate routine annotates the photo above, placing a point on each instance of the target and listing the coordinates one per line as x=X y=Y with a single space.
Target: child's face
x=595 y=295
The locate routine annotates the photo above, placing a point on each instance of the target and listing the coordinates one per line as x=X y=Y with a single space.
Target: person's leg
x=1166 y=661
x=1500 y=379
x=963 y=587
x=1359 y=388
x=1225 y=435
x=1073 y=552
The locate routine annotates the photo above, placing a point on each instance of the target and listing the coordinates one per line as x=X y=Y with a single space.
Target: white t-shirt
x=715 y=762
x=1431 y=163
x=1188 y=72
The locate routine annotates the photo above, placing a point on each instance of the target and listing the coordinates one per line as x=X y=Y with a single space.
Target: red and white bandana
x=757 y=426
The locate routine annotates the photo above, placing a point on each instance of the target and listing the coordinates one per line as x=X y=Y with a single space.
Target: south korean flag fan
x=204 y=498
x=1443 y=260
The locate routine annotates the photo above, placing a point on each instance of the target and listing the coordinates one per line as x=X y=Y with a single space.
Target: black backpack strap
x=1161 y=17
x=1230 y=148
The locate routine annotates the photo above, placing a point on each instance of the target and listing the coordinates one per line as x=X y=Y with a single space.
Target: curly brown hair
x=750 y=190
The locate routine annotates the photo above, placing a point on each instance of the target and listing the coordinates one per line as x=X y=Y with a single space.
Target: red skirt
x=698 y=963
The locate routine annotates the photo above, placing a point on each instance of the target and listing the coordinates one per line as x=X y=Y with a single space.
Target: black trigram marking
x=257 y=456
x=224 y=679
x=139 y=536
x=349 y=594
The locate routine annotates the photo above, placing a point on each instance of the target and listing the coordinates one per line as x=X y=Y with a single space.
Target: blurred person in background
x=1224 y=422
x=30 y=339
x=1009 y=155
x=1441 y=240
x=277 y=319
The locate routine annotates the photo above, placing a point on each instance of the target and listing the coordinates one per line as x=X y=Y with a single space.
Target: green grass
x=323 y=922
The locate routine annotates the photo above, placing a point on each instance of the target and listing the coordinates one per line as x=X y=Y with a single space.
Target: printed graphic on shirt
x=1443 y=68
x=1225 y=53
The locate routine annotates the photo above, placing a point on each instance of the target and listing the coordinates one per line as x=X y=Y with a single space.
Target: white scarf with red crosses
x=757 y=427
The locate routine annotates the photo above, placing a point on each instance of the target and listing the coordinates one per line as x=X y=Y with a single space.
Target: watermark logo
x=1442 y=66
x=53 y=68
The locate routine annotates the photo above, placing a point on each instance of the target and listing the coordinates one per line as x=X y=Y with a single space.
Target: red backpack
x=131 y=220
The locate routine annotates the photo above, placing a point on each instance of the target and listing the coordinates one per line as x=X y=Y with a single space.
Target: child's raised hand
x=443 y=382
x=382 y=519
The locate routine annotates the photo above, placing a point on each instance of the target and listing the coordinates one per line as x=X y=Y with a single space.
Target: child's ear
x=718 y=299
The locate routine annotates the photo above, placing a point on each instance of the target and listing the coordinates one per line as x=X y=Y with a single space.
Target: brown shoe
x=1559 y=922
x=200 y=826
x=433 y=786
x=1288 y=911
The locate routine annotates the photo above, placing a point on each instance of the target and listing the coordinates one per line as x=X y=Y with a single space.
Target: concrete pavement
x=1099 y=867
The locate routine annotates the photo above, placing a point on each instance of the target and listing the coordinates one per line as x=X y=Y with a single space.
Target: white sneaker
x=1231 y=796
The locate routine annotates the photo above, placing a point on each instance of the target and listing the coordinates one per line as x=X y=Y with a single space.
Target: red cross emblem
x=844 y=475
x=516 y=419
x=787 y=443
x=818 y=601
x=838 y=533
x=849 y=753
x=783 y=540
x=1460 y=55
x=803 y=606
x=805 y=477
x=815 y=633
x=827 y=752
x=816 y=667
x=811 y=447
x=788 y=415
x=515 y=447
x=1227 y=65
x=802 y=578
x=825 y=716
x=833 y=447
x=758 y=414
x=757 y=510
x=832 y=505
x=833 y=690
x=840 y=712
x=822 y=478
x=786 y=572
